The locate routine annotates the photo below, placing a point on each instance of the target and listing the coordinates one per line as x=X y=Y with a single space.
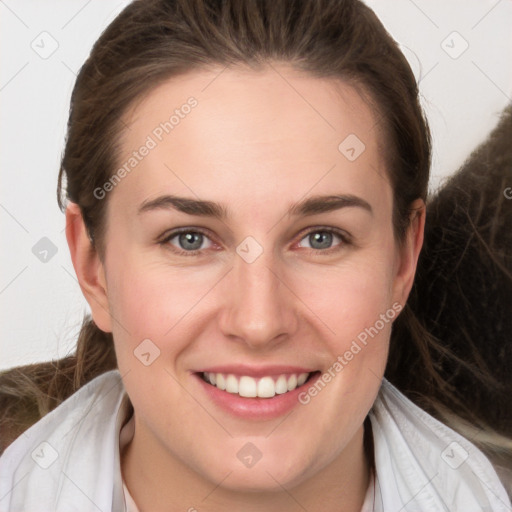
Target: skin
x=257 y=146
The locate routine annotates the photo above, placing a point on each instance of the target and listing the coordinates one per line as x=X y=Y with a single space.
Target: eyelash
x=344 y=237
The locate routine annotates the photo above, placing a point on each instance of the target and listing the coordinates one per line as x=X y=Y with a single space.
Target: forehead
x=231 y=133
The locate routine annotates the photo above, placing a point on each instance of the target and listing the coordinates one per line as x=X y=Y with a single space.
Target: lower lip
x=255 y=408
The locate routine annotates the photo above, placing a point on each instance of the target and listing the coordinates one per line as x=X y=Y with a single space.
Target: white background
x=41 y=305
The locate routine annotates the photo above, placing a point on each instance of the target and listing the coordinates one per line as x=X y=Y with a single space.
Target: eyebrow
x=310 y=206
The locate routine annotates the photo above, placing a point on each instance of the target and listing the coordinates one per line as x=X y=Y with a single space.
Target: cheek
x=349 y=297
x=151 y=299
x=150 y=303
x=354 y=302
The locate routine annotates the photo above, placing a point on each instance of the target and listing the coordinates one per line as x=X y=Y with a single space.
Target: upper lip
x=255 y=371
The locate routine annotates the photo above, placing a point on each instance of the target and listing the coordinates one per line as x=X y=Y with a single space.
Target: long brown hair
x=461 y=304
x=154 y=40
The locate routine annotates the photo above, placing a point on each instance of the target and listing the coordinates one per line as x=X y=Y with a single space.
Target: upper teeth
x=249 y=387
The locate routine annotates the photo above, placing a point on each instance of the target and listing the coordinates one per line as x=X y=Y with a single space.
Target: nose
x=259 y=309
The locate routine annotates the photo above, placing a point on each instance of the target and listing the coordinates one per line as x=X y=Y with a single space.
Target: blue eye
x=191 y=242
x=188 y=241
x=322 y=240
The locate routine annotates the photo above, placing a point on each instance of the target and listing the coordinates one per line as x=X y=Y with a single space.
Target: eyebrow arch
x=321 y=204
x=310 y=206
x=185 y=205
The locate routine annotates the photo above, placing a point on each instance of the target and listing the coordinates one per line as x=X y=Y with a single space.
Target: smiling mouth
x=250 y=387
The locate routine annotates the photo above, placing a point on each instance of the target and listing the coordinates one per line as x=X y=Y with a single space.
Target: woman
x=246 y=186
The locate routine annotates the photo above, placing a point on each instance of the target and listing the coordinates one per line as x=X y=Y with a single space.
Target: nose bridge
x=260 y=309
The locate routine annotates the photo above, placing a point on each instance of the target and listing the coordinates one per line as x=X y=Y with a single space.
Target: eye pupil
x=191 y=241
x=320 y=240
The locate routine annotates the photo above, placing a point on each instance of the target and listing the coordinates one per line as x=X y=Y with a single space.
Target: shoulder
x=423 y=464
x=36 y=470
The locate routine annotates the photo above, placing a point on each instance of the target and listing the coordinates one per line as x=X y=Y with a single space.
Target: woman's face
x=251 y=242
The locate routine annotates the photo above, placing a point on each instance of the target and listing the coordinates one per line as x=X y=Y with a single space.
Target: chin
x=270 y=473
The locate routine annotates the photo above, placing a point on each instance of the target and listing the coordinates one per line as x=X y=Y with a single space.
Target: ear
x=88 y=267
x=409 y=253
